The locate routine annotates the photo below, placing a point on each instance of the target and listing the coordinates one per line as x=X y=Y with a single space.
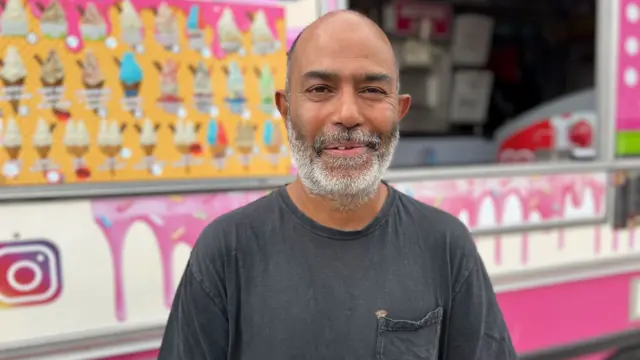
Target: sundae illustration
x=76 y=141
x=92 y=80
x=273 y=141
x=266 y=89
x=131 y=24
x=13 y=74
x=245 y=142
x=166 y=26
x=14 y=21
x=148 y=142
x=110 y=143
x=42 y=141
x=12 y=143
x=169 y=100
x=218 y=143
x=61 y=110
x=53 y=22
x=235 y=88
x=51 y=77
x=195 y=32
x=202 y=88
x=130 y=79
x=92 y=24
x=229 y=35
x=185 y=139
x=262 y=38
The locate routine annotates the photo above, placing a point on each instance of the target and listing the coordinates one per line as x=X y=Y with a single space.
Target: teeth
x=341 y=148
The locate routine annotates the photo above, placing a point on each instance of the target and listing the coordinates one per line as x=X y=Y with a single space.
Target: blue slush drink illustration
x=272 y=140
x=130 y=75
x=235 y=88
x=195 y=33
x=218 y=143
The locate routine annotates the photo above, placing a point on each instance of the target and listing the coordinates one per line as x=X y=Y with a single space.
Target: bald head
x=334 y=26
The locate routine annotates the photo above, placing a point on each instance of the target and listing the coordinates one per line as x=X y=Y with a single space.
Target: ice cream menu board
x=122 y=90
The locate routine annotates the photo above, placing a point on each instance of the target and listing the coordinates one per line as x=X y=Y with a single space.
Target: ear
x=404 y=103
x=282 y=103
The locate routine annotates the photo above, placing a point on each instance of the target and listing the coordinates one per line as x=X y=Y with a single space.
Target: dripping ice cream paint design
x=180 y=219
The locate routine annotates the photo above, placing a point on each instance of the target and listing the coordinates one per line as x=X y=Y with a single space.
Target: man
x=337 y=265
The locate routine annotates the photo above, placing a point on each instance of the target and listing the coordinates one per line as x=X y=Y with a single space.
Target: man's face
x=342 y=112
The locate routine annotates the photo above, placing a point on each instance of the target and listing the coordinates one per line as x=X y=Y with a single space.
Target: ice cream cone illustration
x=76 y=140
x=166 y=26
x=92 y=24
x=266 y=89
x=148 y=142
x=229 y=35
x=51 y=77
x=235 y=88
x=130 y=79
x=131 y=24
x=14 y=21
x=169 y=100
x=245 y=142
x=218 y=144
x=42 y=141
x=110 y=143
x=53 y=22
x=93 y=81
x=273 y=141
x=185 y=139
x=202 y=88
x=195 y=32
x=13 y=75
x=262 y=37
x=12 y=143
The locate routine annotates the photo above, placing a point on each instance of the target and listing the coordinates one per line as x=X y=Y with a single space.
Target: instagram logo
x=29 y=273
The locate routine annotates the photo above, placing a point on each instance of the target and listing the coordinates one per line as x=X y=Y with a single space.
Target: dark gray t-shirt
x=265 y=282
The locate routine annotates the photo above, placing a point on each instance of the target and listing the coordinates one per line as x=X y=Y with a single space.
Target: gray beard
x=347 y=183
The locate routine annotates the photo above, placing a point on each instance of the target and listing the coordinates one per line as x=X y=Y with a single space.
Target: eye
x=319 y=89
x=373 y=90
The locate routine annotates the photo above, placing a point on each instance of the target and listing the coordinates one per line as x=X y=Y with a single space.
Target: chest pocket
x=408 y=340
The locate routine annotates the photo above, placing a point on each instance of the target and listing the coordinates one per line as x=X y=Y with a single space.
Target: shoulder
x=432 y=220
x=218 y=240
x=447 y=230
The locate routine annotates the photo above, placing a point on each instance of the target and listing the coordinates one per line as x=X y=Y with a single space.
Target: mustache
x=359 y=136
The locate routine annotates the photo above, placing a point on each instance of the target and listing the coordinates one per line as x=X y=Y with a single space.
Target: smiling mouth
x=346 y=150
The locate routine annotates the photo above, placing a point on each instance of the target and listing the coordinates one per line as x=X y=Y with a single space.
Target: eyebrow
x=331 y=76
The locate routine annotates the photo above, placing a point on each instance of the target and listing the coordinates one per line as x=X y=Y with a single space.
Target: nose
x=348 y=114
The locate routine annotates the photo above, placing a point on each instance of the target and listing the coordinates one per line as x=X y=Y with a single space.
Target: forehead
x=346 y=46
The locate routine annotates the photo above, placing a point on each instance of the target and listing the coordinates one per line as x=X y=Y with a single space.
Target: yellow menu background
x=165 y=150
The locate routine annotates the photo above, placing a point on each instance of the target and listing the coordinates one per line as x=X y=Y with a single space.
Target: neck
x=325 y=212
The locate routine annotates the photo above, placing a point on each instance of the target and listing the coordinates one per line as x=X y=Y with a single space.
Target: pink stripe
x=632 y=124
